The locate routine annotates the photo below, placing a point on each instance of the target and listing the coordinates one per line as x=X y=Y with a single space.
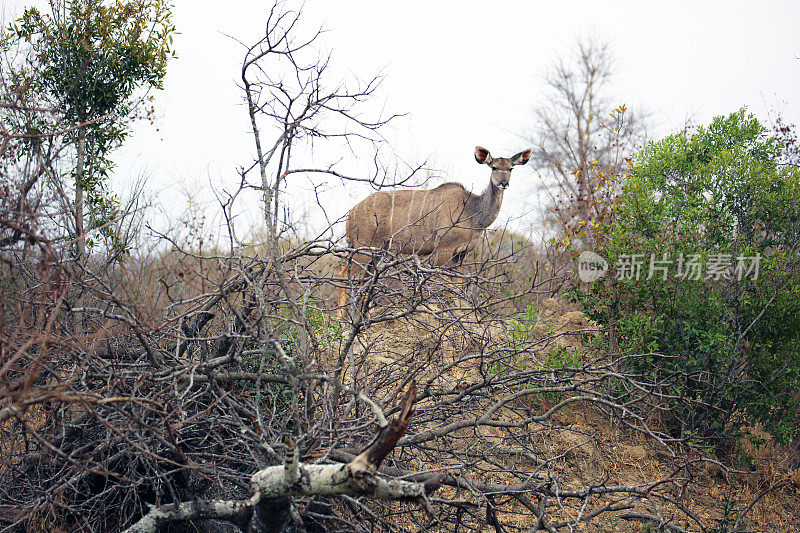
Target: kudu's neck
x=486 y=207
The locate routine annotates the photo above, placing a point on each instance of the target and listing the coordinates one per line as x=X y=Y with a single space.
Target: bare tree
x=31 y=140
x=582 y=139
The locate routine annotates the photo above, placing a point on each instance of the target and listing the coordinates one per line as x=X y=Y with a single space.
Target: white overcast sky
x=467 y=73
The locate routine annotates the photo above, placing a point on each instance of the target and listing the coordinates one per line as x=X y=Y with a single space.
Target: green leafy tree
x=97 y=61
x=709 y=222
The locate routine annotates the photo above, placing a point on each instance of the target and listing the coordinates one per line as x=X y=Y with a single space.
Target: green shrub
x=520 y=328
x=562 y=357
x=519 y=335
x=729 y=516
x=327 y=331
x=555 y=361
x=724 y=347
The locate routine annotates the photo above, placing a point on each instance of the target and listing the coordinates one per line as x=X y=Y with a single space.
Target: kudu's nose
x=503 y=185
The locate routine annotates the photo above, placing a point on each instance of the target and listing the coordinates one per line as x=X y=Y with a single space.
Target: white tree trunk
x=80 y=243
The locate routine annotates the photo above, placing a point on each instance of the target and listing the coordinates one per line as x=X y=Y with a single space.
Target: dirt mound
x=568 y=330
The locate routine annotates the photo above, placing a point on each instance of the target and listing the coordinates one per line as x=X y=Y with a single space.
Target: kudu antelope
x=443 y=224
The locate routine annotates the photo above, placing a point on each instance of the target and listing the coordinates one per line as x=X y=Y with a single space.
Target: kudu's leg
x=459 y=283
x=351 y=280
x=344 y=288
x=451 y=260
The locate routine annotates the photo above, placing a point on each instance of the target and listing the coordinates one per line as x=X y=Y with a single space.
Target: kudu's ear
x=521 y=158
x=482 y=155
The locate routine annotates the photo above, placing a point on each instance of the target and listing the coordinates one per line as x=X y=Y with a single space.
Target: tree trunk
x=80 y=243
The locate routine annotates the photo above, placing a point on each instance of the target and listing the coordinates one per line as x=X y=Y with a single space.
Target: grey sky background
x=466 y=73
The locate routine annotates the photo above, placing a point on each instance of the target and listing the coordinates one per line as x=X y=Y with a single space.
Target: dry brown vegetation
x=510 y=417
x=185 y=391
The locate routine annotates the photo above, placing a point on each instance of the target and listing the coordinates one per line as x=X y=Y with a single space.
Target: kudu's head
x=501 y=166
